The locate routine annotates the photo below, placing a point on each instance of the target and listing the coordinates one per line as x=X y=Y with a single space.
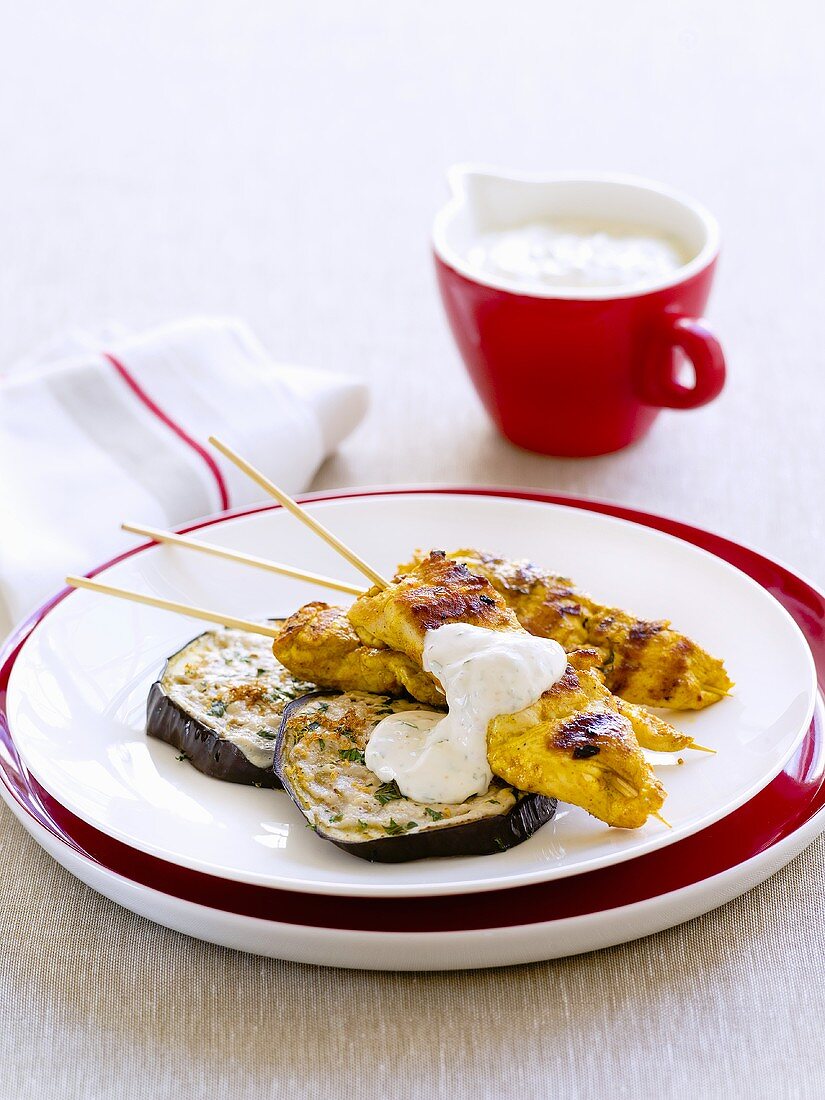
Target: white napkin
x=98 y=428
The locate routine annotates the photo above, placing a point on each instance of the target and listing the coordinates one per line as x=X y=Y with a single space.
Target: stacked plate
x=237 y=866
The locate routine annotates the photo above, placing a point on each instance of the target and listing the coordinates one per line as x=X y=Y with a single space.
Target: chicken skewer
x=318 y=643
x=644 y=662
x=382 y=670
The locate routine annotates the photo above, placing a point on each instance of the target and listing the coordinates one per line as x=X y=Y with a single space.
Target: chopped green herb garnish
x=499 y=843
x=395 y=829
x=336 y=818
x=281 y=695
x=388 y=792
x=182 y=756
x=314 y=726
x=322 y=743
x=323 y=706
x=362 y=825
x=436 y=815
x=260 y=671
x=355 y=755
x=218 y=709
x=268 y=735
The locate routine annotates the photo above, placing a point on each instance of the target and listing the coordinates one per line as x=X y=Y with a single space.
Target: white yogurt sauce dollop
x=484 y=673
x=577 y=253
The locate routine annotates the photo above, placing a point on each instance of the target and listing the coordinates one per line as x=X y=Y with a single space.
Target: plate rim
x=16 y=640
x=459 y=949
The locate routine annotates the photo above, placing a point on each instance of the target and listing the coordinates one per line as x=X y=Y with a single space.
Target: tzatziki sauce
x=484 y=673
x=576 y=253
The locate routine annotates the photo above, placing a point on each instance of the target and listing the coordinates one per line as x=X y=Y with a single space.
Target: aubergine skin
x=347 y=719
x=205 y=749
x=223 y=668
x=480 y=838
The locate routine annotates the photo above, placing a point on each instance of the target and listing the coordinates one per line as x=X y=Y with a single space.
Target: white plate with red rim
x=546 y=920
x=77 y=691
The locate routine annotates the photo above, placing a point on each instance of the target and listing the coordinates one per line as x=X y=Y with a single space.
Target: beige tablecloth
x=282 y=162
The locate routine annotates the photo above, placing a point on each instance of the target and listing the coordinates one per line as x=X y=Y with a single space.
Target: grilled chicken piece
x=652 y=732
x=576 y=743
x=642 y=661
x=321 y=641
x=550 y=745
x=435 y=591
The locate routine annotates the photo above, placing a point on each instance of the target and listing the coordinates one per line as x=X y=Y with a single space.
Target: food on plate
x=643 y=661
x=512 y=720
x=652 y=731
x=219 y=701
x=320 y=760
x=544 y=691
x=576 y=741
x=319 y=643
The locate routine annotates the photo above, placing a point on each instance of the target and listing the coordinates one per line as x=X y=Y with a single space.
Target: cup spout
x=467 y=181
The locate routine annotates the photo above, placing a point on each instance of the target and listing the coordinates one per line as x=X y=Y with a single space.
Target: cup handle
x=658 y=383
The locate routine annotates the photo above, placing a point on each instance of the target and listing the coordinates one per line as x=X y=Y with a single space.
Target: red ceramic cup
x=578 y=370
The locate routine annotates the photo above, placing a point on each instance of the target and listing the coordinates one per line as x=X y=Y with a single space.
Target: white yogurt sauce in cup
x=577 y=253
x=484 y=673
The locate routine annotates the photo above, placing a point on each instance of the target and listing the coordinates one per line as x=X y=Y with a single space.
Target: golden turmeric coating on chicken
x=575 y=743
x=435 y=592
x=551 y=745
x=319 y=641
x=643 y=661
x=652 y=732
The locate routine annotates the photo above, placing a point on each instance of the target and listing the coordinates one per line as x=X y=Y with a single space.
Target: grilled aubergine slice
x=319 y=759
x=219 y=700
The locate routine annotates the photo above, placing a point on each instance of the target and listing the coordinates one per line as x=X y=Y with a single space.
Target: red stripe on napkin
x=180 y=432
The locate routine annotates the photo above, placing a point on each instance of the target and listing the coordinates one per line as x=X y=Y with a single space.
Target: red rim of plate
x=790 y=800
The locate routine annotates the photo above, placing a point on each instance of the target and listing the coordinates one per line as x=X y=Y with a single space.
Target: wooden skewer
x=715 y=691
x=299 y=513
x=631 y=792
x=245 y=559
x=172 y=605
x=624 y=786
